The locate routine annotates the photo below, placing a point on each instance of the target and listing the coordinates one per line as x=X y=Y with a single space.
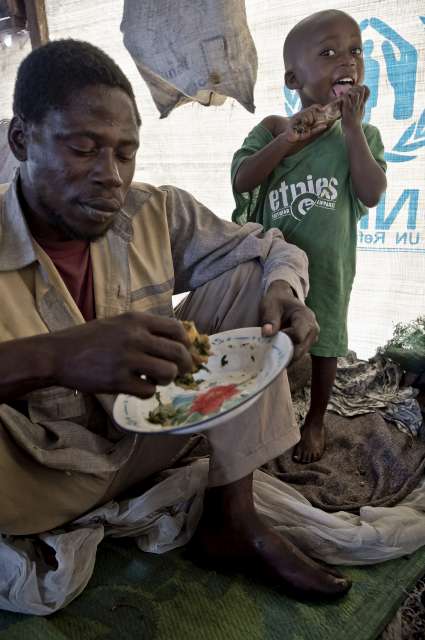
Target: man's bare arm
x=25 y=365
x=102 y=356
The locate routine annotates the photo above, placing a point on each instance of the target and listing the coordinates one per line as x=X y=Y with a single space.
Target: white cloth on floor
x=166 y=516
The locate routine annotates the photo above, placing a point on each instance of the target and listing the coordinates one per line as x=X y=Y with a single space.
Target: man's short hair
x=50 y=75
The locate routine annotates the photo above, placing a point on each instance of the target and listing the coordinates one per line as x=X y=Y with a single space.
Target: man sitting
x=88 y=266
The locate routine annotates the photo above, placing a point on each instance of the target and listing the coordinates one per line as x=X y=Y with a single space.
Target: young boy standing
x=313 y=176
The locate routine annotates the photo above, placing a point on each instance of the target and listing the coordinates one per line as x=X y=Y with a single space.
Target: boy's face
x=328 y=61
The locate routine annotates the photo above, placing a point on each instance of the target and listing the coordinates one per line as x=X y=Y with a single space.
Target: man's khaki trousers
x=36 y=498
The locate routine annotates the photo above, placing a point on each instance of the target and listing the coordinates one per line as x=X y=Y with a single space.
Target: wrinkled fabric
x=239 y=445
x=362 y=387
x=166 y=516
x=375 y=385
x=309 y=196
x=162 y=242
x=367 y=461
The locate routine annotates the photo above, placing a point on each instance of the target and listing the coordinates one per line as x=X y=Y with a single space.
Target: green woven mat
x=133 y=595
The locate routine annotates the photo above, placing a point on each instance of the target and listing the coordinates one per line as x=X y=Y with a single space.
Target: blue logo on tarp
x=401 y=61
x=401 y=65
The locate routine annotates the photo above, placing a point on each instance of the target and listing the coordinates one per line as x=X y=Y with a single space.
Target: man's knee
x=230 y=301
x=14 y=519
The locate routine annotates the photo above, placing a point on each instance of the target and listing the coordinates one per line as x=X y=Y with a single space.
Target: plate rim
x=207 y=423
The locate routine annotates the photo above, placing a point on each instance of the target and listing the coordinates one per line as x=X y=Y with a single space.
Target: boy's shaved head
x=298 y=37
x=321 y=53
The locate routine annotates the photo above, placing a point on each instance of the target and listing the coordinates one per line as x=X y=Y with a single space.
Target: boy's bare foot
x=253 y=548
x=312 y=444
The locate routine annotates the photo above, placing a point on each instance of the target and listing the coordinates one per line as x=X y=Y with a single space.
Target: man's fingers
x=130 y=382
x=303 y=331
x=270 y=316
x=301 y=347
x=280 y=310
x=167 y=327
x=268 y=330
x=156 y=370
x=169 y=350
x=140 y=387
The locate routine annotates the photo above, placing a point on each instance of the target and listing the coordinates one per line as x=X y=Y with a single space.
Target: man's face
x=79 y=165
x=330 y=61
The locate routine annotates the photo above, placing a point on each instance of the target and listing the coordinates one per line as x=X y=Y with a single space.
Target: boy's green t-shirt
x=309 y=197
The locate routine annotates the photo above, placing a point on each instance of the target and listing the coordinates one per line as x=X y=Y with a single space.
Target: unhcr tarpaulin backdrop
x=193 y=147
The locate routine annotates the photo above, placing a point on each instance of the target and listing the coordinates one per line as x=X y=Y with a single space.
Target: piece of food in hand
x=200 y=350
x=329 y=113
x=200 y=347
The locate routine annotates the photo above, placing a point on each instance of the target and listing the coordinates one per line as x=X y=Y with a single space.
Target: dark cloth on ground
x=372 y=456
x=367 y=462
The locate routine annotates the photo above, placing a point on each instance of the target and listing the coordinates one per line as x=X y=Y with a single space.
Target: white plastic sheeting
x=165 y=517
x=193 y=147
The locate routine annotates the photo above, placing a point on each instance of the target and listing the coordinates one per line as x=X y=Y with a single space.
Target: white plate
x=243 y=364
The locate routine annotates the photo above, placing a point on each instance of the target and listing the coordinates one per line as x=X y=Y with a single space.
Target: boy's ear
x=17 y=136
x=291 y=80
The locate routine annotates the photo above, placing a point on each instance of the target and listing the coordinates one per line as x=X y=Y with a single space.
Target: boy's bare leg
x=231 y=533
x=312 y=444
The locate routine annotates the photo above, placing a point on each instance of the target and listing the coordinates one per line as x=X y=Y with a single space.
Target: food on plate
x=164 y=414
x=200 y=349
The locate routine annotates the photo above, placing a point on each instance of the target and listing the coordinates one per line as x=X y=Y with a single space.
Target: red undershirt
x=72 y=260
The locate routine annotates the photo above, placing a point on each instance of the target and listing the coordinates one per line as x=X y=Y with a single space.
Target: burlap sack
x=192 y=50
